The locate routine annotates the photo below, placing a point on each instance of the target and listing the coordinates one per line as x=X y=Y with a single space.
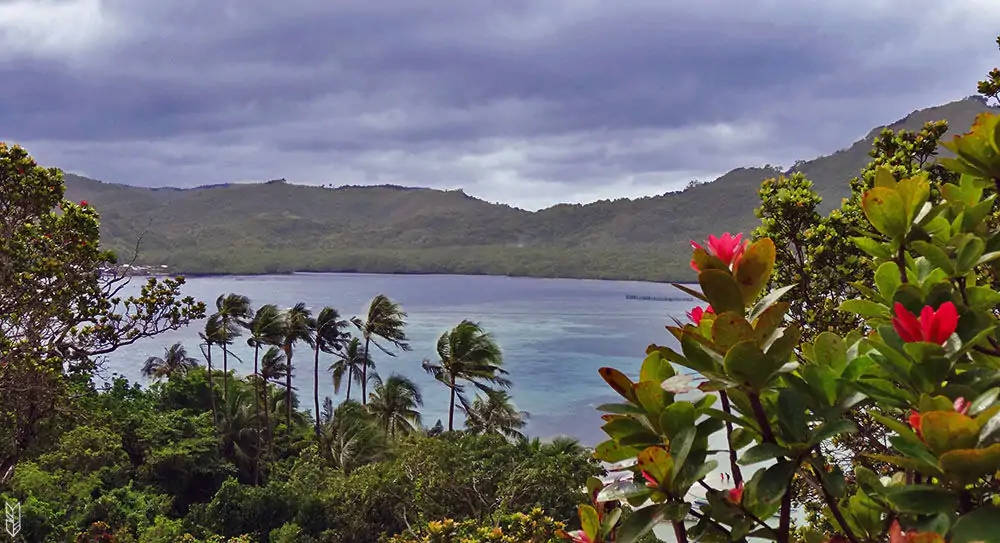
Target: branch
x=734 y=466
x=835 y=510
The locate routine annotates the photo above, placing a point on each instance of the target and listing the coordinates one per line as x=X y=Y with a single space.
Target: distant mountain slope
x=278 y=227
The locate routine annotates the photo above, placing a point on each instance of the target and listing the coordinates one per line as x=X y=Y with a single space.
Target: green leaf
x=691 y=291
x=872 y=247
x=833 y=428
x=638 y=524
x=884 y=178
x=722 y=291
x=830 y=351
x=969 y=255
x=621 y=409
x=619 y=382
x=968 y=465
x=754 y=270
x=769 y=300
x=651 y=397
x=982 y=297
x=984 y=401
x=657 y=463
x=978 y=526
x=915 y=192
x=747 y=364
x=590 y=522
x=761 y=453
x=611 y=452
x=656 y=368
x=768 y=322
x=887 y=279
x=885 y=210
x=774 y=483
x=947 y=430
x=676 y=417
x=935 y=255
x=865 y=308
x=622 y=428
x=680 y=447
x=610 y=520
x=921 y=499
x=729 y=329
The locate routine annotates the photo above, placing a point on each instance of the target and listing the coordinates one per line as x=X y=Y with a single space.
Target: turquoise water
x=555 y=334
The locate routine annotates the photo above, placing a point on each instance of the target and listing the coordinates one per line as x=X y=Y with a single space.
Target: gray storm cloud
x=526 y=102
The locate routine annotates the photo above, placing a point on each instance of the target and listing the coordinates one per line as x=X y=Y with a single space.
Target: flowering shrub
x=533 y=527
x=925 y=365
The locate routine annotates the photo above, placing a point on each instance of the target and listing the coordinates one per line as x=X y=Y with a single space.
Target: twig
x=733 y=465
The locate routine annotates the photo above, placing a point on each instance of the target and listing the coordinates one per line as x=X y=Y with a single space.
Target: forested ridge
x=276 y=227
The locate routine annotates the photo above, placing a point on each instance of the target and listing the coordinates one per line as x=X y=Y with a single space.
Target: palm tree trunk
x=350 y=377
x=256 y=406
x=316 y=388
x=225 y=371
x=211 y=387
x=267 y=415
x=288 y=391
x=451 y=408
x=364 y=374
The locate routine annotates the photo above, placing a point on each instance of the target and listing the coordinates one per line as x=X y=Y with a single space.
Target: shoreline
x=401 y=273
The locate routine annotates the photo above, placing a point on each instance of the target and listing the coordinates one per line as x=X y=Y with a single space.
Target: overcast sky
x=529 y=102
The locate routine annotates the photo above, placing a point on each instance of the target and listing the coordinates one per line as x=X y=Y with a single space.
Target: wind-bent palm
x=329 y=339
x=299 y=326
x=212 y=335
x=353 y=438
x=239 y=430
x=385 y=320
x=495 y=415
x=175 y=360
x=467 y=353
x=266 y=328
x=394 y=404
x=233 y=311
x=272 y=369
x=351 y=362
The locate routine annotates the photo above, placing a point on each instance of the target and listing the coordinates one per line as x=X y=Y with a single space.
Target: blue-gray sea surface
x=555 y=334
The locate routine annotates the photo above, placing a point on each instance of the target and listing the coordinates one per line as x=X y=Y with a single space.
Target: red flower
x=896 y=535
x=915 y=420
x=931 y=327
x=579 y=536
x=651 y=482
x=727 y=248
x=736 y=494
x=697 y=313
x=962 y=405
x=83 y=203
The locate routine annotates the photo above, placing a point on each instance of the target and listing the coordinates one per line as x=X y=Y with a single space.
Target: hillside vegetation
x=278 y=227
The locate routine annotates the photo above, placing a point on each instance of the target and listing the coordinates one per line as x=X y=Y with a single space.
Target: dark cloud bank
x=526 y=102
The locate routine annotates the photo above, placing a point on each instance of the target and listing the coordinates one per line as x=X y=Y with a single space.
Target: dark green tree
x=59 y=297
x=467 y=353
x=395 y=404
x=385 y=320
x=299 y=326
x=495 y=414
x=350 y=363
x=330 y=337
x=266 y=329
x=233 y=312
x=175 y=360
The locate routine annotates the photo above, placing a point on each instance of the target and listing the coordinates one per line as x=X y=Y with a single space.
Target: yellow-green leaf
x=754 y=269
x=886 y=211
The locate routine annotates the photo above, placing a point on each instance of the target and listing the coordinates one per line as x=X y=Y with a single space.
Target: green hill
x=278 y=227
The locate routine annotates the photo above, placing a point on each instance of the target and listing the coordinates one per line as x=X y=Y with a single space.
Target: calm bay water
x=555 y=334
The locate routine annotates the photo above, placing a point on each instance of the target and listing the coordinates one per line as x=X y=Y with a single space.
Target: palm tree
x=563 y=445
x=394 y=404
x=467 y=353
x=175 y=360
x=238 y=430
x=353 y=438
x=495 y=415
x=299 y=326
x=233 y=311
x=385 y=320
x=272 y=368
x=265 y=329
x=350 y=362
x=329 y=339
x=212 y=335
